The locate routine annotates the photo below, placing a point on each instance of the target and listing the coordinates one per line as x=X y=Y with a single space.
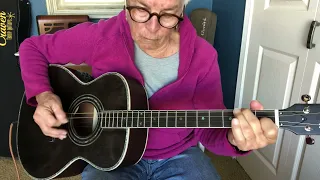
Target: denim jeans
x=192 y=164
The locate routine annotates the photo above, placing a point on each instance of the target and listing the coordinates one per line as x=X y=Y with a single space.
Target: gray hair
x=186 y=2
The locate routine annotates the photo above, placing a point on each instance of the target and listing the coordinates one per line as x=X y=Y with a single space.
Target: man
x=154 y=42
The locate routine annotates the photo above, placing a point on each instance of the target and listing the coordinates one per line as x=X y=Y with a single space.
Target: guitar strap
x=11 y=151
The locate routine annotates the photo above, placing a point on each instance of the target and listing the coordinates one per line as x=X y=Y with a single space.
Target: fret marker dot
x=202 y=118
x=180 y=119
x=230 y=118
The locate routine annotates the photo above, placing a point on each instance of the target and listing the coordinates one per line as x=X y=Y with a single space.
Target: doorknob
x=313 y=26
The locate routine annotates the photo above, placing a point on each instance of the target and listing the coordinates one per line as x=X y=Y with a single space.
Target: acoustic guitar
x=109 y=120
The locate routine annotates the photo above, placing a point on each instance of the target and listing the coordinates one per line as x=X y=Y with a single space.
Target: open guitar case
x=15 y=27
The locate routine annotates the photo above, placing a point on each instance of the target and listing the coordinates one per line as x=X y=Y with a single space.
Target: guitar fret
x=209 y=119
x=197 y=119
x=118 y=122
x=185 y=114
x=138 y=119
x=112 y=118
x=176 y=119
x=127 y=119
x=151 y=119
x=132 y=119
x=105 y=119
x=222 y=118
x=158 y=118
x=167 y=120
x=144 y=119
x=117 y=119
x=109 y=119
x=121 y=118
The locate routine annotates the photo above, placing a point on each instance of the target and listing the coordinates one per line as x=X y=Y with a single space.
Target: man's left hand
x=248 y=132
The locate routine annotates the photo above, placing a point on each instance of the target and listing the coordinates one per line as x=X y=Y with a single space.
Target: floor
x=228 y=168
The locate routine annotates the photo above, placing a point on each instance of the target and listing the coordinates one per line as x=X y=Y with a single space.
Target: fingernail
x=235 y=121
x=234 y=142
x=236 y=111
x=63 y=137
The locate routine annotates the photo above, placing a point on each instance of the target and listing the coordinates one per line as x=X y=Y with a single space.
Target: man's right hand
x=49 y=114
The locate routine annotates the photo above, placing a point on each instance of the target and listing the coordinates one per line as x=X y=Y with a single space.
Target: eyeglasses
x=142 y=15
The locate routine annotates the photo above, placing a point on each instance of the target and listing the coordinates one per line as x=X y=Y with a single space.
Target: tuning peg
x=306 y=98
x=310 y=140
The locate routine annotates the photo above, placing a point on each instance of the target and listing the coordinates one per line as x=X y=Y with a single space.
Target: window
x=93 y=8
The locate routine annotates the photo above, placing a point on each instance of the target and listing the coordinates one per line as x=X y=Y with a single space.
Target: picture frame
x=95 y=9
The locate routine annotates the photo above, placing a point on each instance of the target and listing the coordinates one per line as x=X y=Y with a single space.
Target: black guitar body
x=46 y=158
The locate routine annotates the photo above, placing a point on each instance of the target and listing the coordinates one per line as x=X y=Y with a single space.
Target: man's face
x=148 y=33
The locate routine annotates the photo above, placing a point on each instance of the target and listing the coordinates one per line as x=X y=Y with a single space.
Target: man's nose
x=153 y=24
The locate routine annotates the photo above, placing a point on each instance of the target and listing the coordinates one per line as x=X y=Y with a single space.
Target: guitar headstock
x=301 y=119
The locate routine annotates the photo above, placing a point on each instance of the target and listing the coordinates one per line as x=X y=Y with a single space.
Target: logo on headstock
x=6 y=27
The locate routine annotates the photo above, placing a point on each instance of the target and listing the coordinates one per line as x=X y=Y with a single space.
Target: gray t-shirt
x=157 y=72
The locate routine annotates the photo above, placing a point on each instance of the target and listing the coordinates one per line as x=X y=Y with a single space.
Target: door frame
x=246 y=31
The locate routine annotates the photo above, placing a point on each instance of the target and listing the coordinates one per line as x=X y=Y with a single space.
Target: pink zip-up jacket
x=107 y=46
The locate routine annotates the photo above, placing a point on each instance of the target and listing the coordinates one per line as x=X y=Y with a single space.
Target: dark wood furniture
x=49 y=24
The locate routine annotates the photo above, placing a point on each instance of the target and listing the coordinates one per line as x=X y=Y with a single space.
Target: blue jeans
x=192 y=164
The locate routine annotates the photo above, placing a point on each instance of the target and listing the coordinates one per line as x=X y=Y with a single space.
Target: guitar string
x=225 y=116
x=115 y=121
x=200 y=121
x=117 y=118
x=189 y=127
x=183 y=111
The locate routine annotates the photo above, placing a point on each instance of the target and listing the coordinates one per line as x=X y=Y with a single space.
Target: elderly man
x=154 y=42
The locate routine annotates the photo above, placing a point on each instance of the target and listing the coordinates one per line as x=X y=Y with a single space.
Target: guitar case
x=205 y=22
x=15 y=20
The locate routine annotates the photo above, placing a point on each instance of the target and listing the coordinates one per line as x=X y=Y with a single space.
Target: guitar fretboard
x=173 y=119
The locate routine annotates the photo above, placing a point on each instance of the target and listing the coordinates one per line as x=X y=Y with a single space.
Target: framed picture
x=96 y=9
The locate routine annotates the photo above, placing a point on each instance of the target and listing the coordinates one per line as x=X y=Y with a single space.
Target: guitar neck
x=174 y=119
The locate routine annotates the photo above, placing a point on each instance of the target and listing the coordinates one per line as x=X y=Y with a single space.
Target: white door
x=271 y=71
x=310 y=168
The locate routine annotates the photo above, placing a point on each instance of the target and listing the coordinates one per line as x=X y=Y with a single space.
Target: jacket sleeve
x=74 y=45
x=208 y=95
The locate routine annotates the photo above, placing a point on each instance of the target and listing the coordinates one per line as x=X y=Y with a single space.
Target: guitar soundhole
x=85 y=119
